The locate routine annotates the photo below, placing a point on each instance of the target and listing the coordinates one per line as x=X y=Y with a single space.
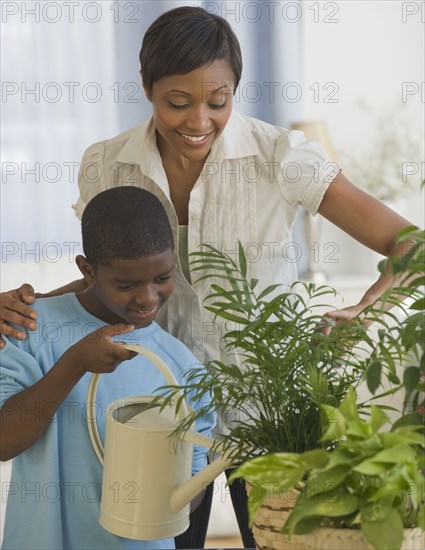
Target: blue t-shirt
x=54 y=495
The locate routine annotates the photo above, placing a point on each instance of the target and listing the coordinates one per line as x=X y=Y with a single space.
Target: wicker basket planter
x=352 y=539
x=275 y=510
x=270 y=519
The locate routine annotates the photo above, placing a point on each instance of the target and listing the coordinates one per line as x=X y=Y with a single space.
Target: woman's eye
x=177 y=106
x=217 y=105
x=164 y=279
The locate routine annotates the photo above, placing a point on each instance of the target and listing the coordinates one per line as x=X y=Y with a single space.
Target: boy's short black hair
x=124 y=223
x=184 y=39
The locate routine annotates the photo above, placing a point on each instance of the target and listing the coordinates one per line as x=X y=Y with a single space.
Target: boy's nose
x=146 y=298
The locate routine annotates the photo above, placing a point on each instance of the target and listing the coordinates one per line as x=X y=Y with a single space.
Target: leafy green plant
x=368 y=478
x=272 y=401
x=403 y=339
x=290 y=409
x=372 y=480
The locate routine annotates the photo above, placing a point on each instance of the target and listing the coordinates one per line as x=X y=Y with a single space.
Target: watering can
x=147 y=480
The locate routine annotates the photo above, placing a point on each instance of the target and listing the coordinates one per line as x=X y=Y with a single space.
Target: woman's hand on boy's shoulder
x=15 y=310
x=97 y=352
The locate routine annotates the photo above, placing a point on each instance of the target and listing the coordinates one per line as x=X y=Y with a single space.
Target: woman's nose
x=199 y=120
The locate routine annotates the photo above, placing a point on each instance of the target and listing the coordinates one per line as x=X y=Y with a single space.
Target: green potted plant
x=367 y=492
x=276 y=400
x=366 y=489
x=272 y=402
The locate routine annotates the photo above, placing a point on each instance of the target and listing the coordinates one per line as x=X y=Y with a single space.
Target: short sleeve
x=90 y=180
x=305 y=171
x=19 y=370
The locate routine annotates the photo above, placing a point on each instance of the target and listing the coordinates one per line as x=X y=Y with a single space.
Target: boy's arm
x=20 y=427
x=15 y=308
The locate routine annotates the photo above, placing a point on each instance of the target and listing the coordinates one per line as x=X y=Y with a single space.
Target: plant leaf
x=390 y=439
x=359 y=428
x=267 y=291
x=372 y=468
x=316 y=458
x=335 y=503
x=392 y=487
x=348 y=407
x=336 y=424
x=411 y=378
x=378 y=418
x=305 y=526
x=393 y=378
x=394 y=454
x=283 y=469
x=373 y=376
x=419 y=304
x=386 y=534
x=242 y=260
x=328 y=480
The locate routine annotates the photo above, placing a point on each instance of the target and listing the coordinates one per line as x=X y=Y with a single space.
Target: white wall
x=371 y=51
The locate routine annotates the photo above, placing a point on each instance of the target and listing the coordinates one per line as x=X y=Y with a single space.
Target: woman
x=222 y=178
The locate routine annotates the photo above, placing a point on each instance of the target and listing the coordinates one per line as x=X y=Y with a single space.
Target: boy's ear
x=86 y=269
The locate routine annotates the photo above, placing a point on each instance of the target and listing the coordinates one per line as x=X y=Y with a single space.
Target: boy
x=128 y=265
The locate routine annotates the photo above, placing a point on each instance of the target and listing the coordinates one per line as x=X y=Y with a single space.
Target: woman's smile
x=196 y=140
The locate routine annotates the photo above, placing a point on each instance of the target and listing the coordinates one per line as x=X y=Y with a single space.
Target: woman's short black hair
x=184 y=39
x=124 y=223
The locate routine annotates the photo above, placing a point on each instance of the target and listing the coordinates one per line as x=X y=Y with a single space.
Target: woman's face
x=191 y=110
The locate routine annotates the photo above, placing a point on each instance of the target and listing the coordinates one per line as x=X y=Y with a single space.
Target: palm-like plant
x=271 y=401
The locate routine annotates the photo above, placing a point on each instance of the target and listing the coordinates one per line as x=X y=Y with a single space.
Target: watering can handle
x=92 y=389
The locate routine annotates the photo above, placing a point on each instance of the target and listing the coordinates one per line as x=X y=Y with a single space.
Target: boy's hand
x=97 y=352
x=14 y=309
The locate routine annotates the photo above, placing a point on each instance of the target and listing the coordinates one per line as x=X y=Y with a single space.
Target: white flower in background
x=393 y=164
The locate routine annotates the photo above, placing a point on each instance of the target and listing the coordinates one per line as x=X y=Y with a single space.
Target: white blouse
x=250 y=187
x=183 y=253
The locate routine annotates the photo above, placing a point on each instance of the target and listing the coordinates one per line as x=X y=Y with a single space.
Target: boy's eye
x=126 y=287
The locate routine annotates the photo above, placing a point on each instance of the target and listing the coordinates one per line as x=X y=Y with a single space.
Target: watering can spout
x=190 y=489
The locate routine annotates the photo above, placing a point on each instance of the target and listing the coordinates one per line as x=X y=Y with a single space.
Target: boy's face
x=130 y=291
